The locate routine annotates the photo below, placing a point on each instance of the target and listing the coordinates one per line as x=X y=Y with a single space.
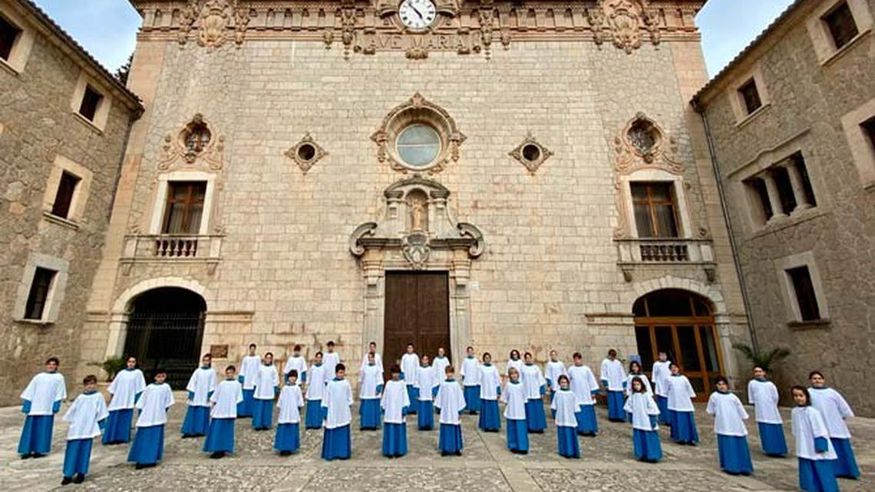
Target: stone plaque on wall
x=219 y=351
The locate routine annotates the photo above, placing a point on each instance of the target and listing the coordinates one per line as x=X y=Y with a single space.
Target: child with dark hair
x=288 y=432
x=126 y=388
x=330 y=358
x=41 y=400
x=451 y=401
x=635 y=372
x=248 y=372
x=267 y=387
x=337 y=439
x=536 y=388
x=427 y=382
x=680 y=396
x=514 y=398
x=148 y=446
x=87 y=416
x=370 y=387
x=409 y=364
x=200 y=388
x=729 y=416
x=815 y=453
x=514 y=360
x=394 y=404
x=223 y=415
x=835 y=411
x=471 y=381
x=614 y=380
x=660 y=375
x=585 y=388
x=490 y=390
x=315 y=392
x=763 y=395
x=565 y=407
x=645 y=431
x=297 y=363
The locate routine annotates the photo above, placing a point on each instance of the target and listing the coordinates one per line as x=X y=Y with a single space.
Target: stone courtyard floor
x=606 y=464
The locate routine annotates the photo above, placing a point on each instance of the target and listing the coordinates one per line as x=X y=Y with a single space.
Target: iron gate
x=171 y=341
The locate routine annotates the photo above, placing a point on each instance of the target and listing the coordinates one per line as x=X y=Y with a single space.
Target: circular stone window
x=306 y=152
x=531 y=152
x=418 y=145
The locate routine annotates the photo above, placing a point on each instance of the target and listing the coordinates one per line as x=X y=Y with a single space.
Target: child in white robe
x=729 y=416
x=248 y=372
x=490 y=389
x=635 y=372
x=552 y=371
x=514 y=398
x=440 y=362
x=223 y=415
x=409 y=365
x=267 y=387
x=585 y=387
x=660 y=374
x=148 y=446
x=41 y=400
x=565 y=407
x=296 y=363
x=471 y=381
x=370 y=387
x=315 y=391
x=536 y=388
x=680 y=396
x=814 y=450
x=451 y=401
x=394 y=404
x=514 y=361
x=372 y=349
x=125 y=389
x=835 y=411
x=288 y=433
x=330 y=358
x=614 y=380
x=87 y=415
x=337 y=439
x=426 y=387
x=763 y=395
x=645 y=432
x=200 y=388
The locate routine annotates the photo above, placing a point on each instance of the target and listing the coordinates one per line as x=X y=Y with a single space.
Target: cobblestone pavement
x=607 y=463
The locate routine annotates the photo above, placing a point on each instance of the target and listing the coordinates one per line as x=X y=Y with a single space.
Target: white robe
x=267 y=379
x=729 y=414
x=565 y=405
x=518 y=364
x=426 y=381
x=338 y=399
x=153 y=405
x=202 y=382
x=378 y=360
x=490 y=381
x=583 y=383
x=43 y=391
x=614 y=374
x=289 y=404
x=371 y=377
x=514 y=398
x=249 y=370
x=641 y=406
x=124 y=388
x=225 y=399
x=470 y=371
x=450 y=400
x=834 y=409
x=763 y=395
x=297 y=363
x=316 y=381
x=807 y=425
x=680 y=394
x=440 y=367
x=552 y=371
x=660 y=373
x=532 y=381
x=409 y=364
x=330 y=361
x=647 y=387
x=395 y=399
x=84 y=415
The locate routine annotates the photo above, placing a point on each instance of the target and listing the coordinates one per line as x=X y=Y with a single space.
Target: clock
x=417 y=14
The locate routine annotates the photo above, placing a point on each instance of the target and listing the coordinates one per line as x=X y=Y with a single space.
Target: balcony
x=665 y=251
x=172 y=248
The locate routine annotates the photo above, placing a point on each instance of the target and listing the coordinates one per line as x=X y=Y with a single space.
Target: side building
x=792 y=123
x=64 y=122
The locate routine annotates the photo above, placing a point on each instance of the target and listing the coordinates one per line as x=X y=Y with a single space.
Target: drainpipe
x=697 y=107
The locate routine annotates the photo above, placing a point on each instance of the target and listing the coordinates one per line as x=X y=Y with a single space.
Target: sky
x=108 y=28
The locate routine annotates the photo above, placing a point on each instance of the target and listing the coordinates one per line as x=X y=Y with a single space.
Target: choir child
x=660 y=375
x=585 y=387
x=490 y=389
x=536 y=387
x=514 y=361
x=372 y=349
x=394 y=403
x=125 y=389
x=315 y=392
x=41 y=400
x=297 y=363
x=370 y=387
x=814 y=449
x=514 y=399
x=409 y=365
x=635 y=372
x=223 y=415
x=680 y=405
x=552 y=371
x=427 y=383
x=471 y=381
x=565 y=407
x=200 y=388
x=451 y=402
x=330 y=358
x=440 y=362
x=645 y=432
x=763 y=395
x=87 y=415
x=729 y=416
x=248 y=372
x=288 y=433
x=337 y=439
x=835 y=411
x=614 y=380
x=267 y=386
x=148 y=446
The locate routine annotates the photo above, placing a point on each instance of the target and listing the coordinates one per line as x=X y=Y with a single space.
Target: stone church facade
x=498 y=174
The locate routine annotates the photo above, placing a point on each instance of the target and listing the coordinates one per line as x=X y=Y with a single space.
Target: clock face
x=417 y=14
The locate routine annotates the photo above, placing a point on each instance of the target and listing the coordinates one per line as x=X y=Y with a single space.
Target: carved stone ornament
x=625 y=20
x=643 y=144
x=193 y=144
x=414 y=247
x=531 y=153
x=306 y=153
x=214 y=19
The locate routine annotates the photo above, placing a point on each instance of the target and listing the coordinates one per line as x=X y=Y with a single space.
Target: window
x=8 y=35
x=758 y=186
x=840 y=24
x=655 y=209
x=184 y=207
x=418 y=145
x=791 y=193
x=90 y=102
x=800 y=278
x=64 y=196
x=868 y=127
x=798 y=162
x=39 y=293
x=785 y=189
x=750 y=96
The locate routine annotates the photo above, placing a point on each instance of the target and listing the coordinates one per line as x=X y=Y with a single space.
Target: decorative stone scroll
x=194 y=143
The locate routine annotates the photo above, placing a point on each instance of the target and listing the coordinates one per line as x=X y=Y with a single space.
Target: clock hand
x=417 y=12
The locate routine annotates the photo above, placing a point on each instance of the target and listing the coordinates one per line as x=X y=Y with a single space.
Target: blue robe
x=490 y=420
x=148 y=446
x=77 y=457
x=288 y=438
x=772 y=439
x=36 y=436
x=262 y=414
x=587 y=425
x=569 y=447
x=846 y=464
x=118 y=426
x=220 y=436
x=683 y=428
x=646 y=445
x=817 y=475
x=536 y=419
x=425 y=416
x=615 y=406
x=450 y=442
x=244 y=408
x=313 y=419
x=394 y=439
x=197 y=421
x=517 y=436
x=664 y=416
x=369 y=413
x=734 y=455
x=413 y=394
x=337 y=444
x=472 y=398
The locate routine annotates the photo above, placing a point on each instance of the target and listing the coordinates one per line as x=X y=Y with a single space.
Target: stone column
x=798 y=187
x=774 y=196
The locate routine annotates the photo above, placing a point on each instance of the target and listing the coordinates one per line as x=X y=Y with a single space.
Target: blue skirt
x=288 y=438
x=425 y=417
x=369 y=414
x=817 y=476
x=244 y=408
x=262 y=414
x=394 y=440
x=472 y=399
x=646 y=445
x=450 y=441
x=77 y=456
x=118 y=426
x=615 y=406
x=772 y=439
x=569 y=447
x=337 y=444
x=846 y=464
x=734 y=455
x=413 y=394
x=587 y=425
x=197 y=421
x=148 y=446
x=490 y=420
x=683 y=428
x=517 y=436
x=664 y=415
x=536 y=419
x=313 y=419
x=220 y=437
x=36 y=436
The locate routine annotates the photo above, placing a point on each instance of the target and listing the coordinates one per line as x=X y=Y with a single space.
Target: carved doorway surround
x=417 y=232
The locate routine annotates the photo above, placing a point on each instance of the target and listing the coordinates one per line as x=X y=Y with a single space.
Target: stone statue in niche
x=417 y=204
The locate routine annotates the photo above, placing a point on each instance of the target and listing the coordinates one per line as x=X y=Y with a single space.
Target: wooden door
x=418 y=312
